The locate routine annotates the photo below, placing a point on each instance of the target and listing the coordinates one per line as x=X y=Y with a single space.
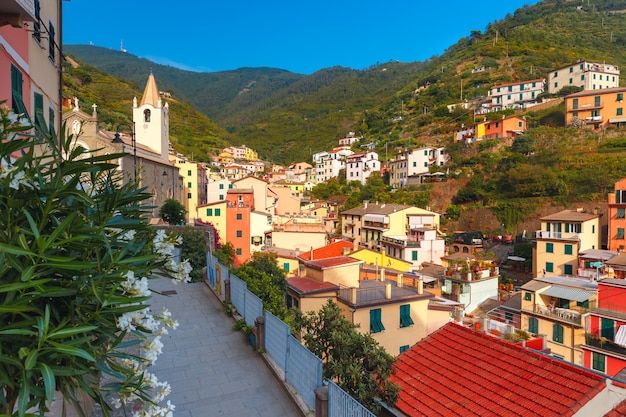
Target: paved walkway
x=212 y=369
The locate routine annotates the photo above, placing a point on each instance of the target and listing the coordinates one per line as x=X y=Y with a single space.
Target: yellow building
x=308 y=294
x=194 y=184
x=562 y=236
x=251 y=154
x=214 y=213
x=394 y=315
x=367 y=224
x=556 y=307
x=381 y=260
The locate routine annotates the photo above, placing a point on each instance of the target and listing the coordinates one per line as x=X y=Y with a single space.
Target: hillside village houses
x=517 y=95
x=585 y=74
x=407 y=167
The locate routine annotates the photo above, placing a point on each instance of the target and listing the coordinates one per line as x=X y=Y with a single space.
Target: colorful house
x=239 y=206
x=604 y=349
x=617 y=217
x=585 y=74
x=562 y=236
x=556 y=306
x=596 y=108
x=507 y=127
x=517 y=95
x=214 y=213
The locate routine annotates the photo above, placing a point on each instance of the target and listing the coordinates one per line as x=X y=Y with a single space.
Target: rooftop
x=333 y=262
x=307 y=285
x=329 y=251
x=456 y=371
x=571 y=215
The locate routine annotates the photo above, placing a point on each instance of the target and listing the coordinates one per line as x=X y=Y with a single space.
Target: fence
x=302 y=369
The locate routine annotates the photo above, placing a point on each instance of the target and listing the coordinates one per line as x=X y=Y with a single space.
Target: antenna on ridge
x=122 y=45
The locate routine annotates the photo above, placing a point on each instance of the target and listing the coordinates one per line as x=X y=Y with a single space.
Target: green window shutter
x=598 y=362
x=414 y=255
x=405 y=315
x=218 y=212
x=528 y=296
x=621 y=213
x=549 y=267
x=286 y=266
x=568 y=269
x=607 y=328
x=404 y=348
x=618 y=195
x=209 y=212
x=40 y=120
x=557 y=333
x=51 y=122
x=550 y=247
x=18 y=106
x=568 y=249
x=620 y=233
x=533 y=325
x=583 y=304
x=376 y=323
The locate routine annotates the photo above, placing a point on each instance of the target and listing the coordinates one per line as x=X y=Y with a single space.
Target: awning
x=617 y=120
x=516 y=258
x=620 y=336
x=376 y=218
x=567 y=293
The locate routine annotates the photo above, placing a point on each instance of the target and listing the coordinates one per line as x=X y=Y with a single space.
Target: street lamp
x=118 y=139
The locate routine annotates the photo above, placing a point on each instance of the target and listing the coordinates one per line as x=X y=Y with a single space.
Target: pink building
x=359 y=166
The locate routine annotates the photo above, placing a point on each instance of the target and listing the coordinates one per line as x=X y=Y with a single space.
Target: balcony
x=593 y=119
x=567 y=315
x=401 y=242
x=23 y=8
x=238 y=204
x=542 y=234
x=602 y=343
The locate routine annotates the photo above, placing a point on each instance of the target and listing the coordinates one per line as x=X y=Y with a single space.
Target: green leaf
x=15 y=286
x=72 y=351
x=14 y=250
x=31 y=359
x=48 y=381
x=70 y=331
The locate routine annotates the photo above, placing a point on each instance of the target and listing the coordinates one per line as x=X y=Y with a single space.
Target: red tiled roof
x=457 y=371
x=306 y=285
x=328 y=251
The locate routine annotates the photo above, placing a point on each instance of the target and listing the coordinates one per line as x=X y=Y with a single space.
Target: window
x=582 y=77
x=620 y=233
x=521 y=96
x=598 y=361
x=209 y=212
x=583 y=304
x=286 y=266
x=40 y=121
x=528 y=296
x=51 y=121
x=621 y=213
x=146 y=115
x=568 y=269
x=618 y=196
x=533 y=325
x=619 y=111
x=575 y=114
x=18 y=106
x=189 y=173
x=549 y=247
x=556 y=85
x=221 y=186
x=596 y=101
x=218 y=212
x=414 y=255
x=620 y=96
x=376 y=323
x=51 y=42
x=557 y=333
x=414 y=163
x=607 y=328
x=221 y=196
x=549 y=267
x=238 y=252
x=230 y=186
x=189 y=184
x=568 y=249
x=403 y=348
x=571 y=81
x=575 y=103
x=510 y=88
x=508 y=316
x=188 y=195
x=239 y=233
x=37 y=23
x=239 y=216
x=405 y=316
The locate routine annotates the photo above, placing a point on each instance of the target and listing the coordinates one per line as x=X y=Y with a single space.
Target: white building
x=585 y=74
x=217 y=189
x=349 y=140
x=330 y=164
x=519 y=95
x=359 y=166
x=407 y=166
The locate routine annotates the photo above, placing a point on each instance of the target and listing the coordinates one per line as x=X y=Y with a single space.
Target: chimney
x=311 y=254
x=400 y=277
x=382 y=274
x=388 y=291
x=365 y=203
x=354 y=246
x=580 y=210
x=353 y=295
x=420 y=286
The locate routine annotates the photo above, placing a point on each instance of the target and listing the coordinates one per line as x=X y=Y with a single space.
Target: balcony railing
x=401 y=242
x=543 y=234
x=607 y=345
x=562 y=314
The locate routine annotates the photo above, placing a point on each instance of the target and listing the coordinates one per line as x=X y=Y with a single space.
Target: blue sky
x=299 y=36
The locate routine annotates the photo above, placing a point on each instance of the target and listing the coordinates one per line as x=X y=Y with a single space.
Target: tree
x=352 y=359
x=194 y=248
x=266 y=280
x=173 y=212
x=76 y=256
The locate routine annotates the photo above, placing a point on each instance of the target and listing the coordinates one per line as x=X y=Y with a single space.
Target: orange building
x=239 y=206
x=502 y=128
x=597 y=108
x=616 y=239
